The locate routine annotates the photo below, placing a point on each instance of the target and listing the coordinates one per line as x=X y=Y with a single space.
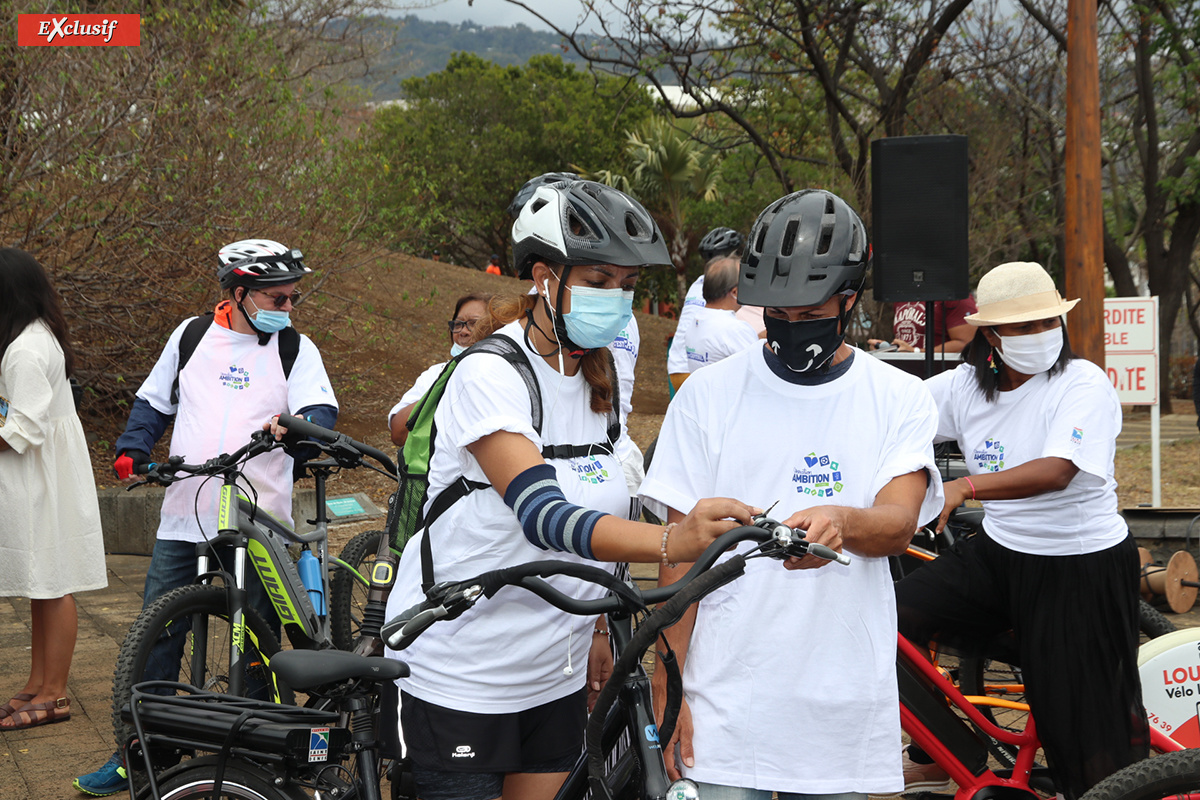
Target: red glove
x=129 y=461
x=123 y=466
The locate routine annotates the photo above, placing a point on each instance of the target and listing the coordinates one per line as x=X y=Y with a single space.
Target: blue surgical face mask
x=455 y=349
x=267 y=320
x=597 y=316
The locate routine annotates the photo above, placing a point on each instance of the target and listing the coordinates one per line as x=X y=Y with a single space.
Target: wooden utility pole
x=1084 y=267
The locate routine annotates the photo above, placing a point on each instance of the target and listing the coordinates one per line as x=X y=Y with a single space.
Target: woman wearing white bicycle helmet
x=496 y=703
x=1056 y=564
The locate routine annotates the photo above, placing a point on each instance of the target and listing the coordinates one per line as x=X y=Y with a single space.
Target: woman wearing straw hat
x=1056 y=564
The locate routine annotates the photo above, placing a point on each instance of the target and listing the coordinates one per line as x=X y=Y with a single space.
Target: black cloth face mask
x=805 y=345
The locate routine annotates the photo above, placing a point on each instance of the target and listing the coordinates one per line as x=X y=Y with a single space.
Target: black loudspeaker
x=919 y=210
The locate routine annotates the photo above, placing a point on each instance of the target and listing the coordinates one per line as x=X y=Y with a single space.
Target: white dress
x=51 y=544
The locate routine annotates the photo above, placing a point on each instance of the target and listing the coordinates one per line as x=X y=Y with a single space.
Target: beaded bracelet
x=599 y=632
x=663 y=548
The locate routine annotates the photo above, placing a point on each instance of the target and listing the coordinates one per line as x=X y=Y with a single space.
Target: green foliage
x=125 y=169
x=466 y=138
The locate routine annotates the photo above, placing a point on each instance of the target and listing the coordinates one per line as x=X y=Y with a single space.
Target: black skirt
x=1075 y=619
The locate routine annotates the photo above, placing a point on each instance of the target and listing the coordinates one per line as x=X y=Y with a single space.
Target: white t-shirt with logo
x=677 y=360
x=508 y=652
x=625 y=353
x=717 y=333
x=791 y=675
x=229 y=387
x=1074 y=415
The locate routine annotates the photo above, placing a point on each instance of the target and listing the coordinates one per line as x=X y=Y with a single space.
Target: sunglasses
x=457 y=325
x=281 y=300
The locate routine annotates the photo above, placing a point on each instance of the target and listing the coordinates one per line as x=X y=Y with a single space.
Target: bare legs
x=55 y=624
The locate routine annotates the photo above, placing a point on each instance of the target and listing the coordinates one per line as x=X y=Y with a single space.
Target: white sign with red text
x=1131 y=348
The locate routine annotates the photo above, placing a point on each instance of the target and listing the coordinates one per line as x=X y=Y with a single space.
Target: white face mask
x=1034 y=353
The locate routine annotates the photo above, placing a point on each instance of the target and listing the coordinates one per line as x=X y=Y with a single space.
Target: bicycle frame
x=632 y=714
x=255 y=534
x=952 y=744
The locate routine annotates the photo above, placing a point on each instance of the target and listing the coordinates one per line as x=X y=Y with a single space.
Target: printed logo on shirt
x=235 y=377
x=463 y=751
x=990 y=456
x=589 y=470
x=819 y=476
x=3 y=410
x=1077 y=436
x=694 y=355
x=622 y=343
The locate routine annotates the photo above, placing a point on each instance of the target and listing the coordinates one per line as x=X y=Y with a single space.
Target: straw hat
x=1019 y=291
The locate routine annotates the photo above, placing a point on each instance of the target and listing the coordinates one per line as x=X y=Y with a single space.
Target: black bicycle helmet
x=720 y=242
x=525 y=192
x=259 y=263
x=804 y=248
x=583 y=222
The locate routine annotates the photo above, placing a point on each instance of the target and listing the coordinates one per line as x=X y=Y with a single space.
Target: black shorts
x=444 y=743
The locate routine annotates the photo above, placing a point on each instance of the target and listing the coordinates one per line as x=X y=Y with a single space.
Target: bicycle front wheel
x=185 y=635
x=195 y=779
x=1172 y=775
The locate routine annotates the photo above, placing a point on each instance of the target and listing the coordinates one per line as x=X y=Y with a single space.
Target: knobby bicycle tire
x=193 y=780
x=1169 y=775
x=170 y=618
x=347 y=594
x=1152 y=622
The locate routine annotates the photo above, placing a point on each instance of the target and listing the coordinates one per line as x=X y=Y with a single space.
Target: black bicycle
x=262 y=751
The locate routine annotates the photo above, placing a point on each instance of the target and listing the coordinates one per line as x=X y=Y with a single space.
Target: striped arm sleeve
x=547 y=519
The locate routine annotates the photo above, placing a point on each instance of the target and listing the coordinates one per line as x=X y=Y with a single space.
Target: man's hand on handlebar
x=277 y=430
x=822 y=525
x=708 y=519
x=130 y=465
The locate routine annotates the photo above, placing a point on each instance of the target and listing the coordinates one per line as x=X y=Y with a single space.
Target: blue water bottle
x=310 y=574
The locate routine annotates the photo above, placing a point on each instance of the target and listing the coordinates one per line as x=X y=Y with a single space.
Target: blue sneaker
x=109 y=779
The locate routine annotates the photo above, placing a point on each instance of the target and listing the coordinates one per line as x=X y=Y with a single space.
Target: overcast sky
x=499 y=12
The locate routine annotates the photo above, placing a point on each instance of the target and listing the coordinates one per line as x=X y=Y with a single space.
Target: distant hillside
x=419 y=48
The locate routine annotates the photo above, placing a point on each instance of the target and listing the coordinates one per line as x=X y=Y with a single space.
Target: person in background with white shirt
x=233 y=383
x=717 y=332
x=839 y=445
x=717 y=243
x=467 y=311
x=1056 y=564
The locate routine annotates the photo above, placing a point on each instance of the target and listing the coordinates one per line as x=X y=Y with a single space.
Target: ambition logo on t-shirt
x=590 y=471
x=819 y=476
x=990 y=457
x=235 y=378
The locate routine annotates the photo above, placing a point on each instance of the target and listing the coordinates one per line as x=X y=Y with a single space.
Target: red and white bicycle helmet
x=259 y=263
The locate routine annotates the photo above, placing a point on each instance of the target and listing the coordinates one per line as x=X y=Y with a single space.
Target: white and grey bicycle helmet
x=720 y=242
x=804 y=248
x=258 y=263
x=525 y=192
x=577 y=222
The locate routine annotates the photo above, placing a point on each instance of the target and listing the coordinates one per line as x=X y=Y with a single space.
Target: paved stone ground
x=41 y=762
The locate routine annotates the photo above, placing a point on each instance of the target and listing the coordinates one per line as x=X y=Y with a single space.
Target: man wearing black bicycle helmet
x=506 y=489
x=839 y=446
x=717 y=243
x=220 y=377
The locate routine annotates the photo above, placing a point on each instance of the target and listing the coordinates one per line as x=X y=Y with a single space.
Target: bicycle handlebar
x=305 y=429
x=449 y=600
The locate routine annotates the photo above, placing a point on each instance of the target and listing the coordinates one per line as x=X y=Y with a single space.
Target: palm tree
x=665 y=167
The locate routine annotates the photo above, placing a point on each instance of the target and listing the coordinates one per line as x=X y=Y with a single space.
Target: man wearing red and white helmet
x=219 y=378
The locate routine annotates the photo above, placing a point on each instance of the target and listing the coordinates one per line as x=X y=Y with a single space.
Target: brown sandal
x=8 y=709
x=35 y=714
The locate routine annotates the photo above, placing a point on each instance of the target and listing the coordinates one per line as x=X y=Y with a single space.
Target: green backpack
x=406 y=508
